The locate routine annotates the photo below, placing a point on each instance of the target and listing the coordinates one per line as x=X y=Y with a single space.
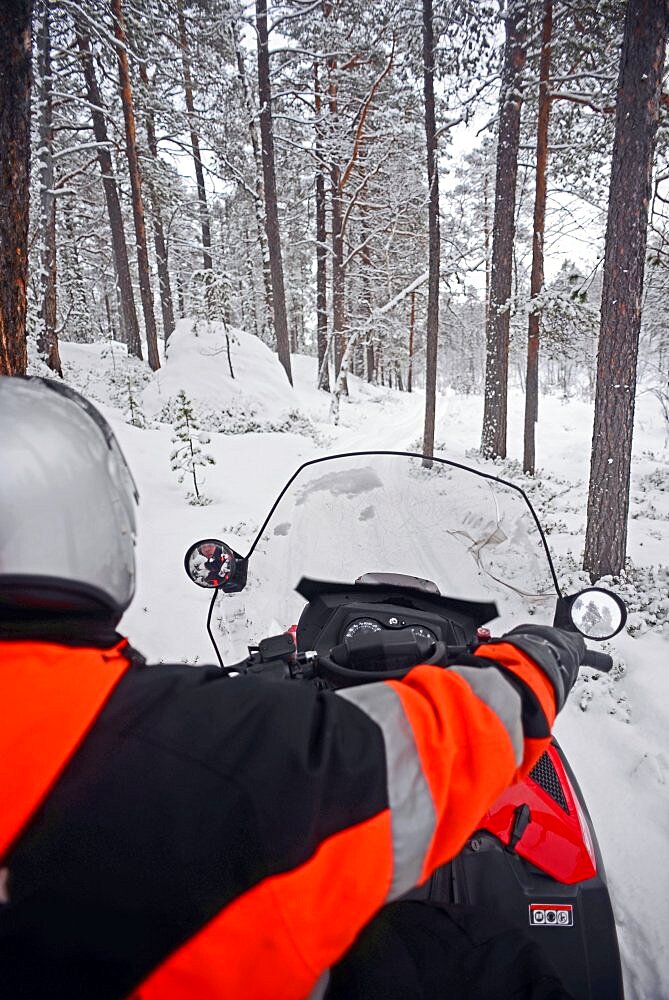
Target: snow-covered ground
x=614 y=728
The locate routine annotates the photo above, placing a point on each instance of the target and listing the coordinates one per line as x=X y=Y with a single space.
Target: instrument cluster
x=368 y=624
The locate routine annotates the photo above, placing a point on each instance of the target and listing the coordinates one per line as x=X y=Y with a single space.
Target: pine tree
x=434 y=233
x=493 y=438
x=271 y=197
x=637 y=117
x=15 y=84
x=132 y=154
x=188 y=455
x=195 y=138
x=210 y=302
x=135 y=413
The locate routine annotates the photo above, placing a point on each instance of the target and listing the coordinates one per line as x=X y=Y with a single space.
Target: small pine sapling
x=188 y=455
x=210 y=303
x=135 y=415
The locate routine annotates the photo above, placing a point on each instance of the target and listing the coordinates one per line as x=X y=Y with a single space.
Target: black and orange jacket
x=167 y=833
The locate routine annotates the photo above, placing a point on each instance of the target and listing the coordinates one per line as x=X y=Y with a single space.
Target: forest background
x=451 y=194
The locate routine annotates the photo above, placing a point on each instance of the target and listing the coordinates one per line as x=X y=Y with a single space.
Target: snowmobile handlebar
x=363 y=660
x=598 y=661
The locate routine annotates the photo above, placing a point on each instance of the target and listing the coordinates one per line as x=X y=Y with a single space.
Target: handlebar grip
x=599 y=661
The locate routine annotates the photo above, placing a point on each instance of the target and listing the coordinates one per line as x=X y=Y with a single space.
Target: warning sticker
x=551 y=915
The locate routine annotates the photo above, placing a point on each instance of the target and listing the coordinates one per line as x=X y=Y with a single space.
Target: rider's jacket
x=168 y=833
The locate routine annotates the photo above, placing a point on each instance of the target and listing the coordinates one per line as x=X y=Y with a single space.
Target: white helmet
x=67 y=503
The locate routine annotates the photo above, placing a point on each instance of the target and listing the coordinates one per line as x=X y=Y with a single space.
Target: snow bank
x=103 y=372
x=238 y=392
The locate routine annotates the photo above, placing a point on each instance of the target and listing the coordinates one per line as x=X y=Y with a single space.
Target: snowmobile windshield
x=474 y=536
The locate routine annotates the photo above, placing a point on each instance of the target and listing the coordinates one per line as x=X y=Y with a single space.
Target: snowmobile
x=403 y=559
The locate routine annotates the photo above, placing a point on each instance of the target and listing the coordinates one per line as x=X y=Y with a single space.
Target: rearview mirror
x=597 y=613
x=211 y=563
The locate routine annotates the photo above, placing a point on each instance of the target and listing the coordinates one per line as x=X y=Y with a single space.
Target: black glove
x=559 y=654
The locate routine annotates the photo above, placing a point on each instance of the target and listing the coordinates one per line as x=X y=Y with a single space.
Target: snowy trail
x=398 y=426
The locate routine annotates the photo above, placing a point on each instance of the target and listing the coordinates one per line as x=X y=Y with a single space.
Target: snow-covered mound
x=93 y=359
x=235 y=385
x=102 y=371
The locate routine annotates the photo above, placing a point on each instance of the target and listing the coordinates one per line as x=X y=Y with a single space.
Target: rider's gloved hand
x=558 y=653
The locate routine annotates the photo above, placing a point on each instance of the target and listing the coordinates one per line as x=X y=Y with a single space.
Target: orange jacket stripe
x=519 y=663
x=50 y=696
x=466 y=754
x=275 y=941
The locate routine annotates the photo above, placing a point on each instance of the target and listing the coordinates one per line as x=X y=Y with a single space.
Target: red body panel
x=555 y=841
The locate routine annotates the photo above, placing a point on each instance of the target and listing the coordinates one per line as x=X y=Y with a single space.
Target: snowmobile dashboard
x=337 y=613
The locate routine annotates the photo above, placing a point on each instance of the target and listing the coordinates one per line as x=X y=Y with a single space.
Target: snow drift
x=236 y=384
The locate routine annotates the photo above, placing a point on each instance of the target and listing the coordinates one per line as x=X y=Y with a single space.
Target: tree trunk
x=119 y=248
x=338 y=180
x=166 y=306
x=78 y=306
x=337 y=217
x=321 y=248
x=412 y=325
x=370 y=361
x=259 y=199
x=269 y=177
x=15 y=83
x=486 y=246
x=47 y=338
x=250 y=285
x=637 y=107
x=110 y=319
x=194 y=139
x=537 y=276
x=337 y=235
x=493 y=441
x=367 y=294
x=136 y=186
x=180 y=296
x=338 y=277
x=432 y=331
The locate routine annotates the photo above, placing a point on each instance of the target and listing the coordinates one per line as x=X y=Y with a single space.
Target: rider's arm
x=454 y=740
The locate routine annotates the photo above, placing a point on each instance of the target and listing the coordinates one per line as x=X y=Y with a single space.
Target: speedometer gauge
x=421 y=632
x=361 y=625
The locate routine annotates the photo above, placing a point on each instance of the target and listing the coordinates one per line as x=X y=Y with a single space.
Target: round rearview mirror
x=210 y=563
x=598 y=613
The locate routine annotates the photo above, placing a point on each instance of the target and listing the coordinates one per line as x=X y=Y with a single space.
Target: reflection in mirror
x=597 y=614
x=210 y=563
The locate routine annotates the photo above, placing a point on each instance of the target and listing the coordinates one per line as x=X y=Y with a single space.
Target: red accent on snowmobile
x=556 y=841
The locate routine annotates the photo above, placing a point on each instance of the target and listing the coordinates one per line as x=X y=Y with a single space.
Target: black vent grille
x=545 y=775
